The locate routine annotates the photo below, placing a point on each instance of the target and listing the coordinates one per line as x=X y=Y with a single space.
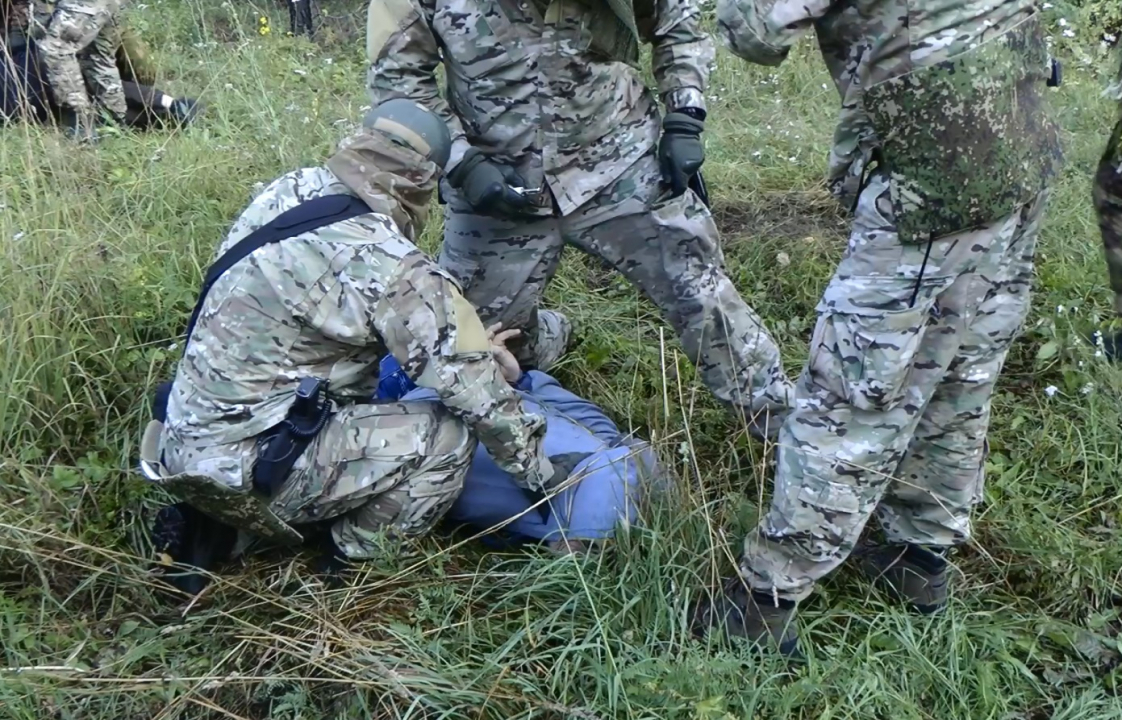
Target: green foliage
x=102 y=248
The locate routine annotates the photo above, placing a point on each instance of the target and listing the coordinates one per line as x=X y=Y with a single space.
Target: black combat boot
x=738 y=613
x=911 y=573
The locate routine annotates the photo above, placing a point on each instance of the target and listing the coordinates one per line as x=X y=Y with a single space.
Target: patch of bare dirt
x=783 y=216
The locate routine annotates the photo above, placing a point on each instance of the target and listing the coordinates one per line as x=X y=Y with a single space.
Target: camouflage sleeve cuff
x=684 y=97
x=460 y=147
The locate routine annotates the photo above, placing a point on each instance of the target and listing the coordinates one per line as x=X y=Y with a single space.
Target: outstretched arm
x=682 y=54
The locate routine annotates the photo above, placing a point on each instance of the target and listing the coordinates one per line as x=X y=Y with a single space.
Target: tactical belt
x=281 y=446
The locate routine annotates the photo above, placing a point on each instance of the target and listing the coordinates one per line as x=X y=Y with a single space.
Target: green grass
x=101 y=250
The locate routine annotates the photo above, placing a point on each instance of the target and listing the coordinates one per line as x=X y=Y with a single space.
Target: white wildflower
x=1088 y=388
x=1051 y=390
x=1062 y=22
x=1068 y=33
x=19 y=236
x=299 y=71
x=1059 y=309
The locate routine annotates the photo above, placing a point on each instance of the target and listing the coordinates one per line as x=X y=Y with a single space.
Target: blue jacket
x=610 y=481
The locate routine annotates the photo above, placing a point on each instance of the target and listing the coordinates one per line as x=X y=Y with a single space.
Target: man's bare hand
x=498 y=337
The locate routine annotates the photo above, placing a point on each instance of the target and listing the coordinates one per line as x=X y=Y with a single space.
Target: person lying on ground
x=268 y=428
x=24 y=92
x=610 y=472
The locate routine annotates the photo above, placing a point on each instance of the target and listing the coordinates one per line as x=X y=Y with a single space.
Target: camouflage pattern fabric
x=78 y=48
x=668 y=247
x=247 y=511
x=930 y=92
x=525 y=87
x=329 y=304
x=1108 y=199
x=242 y=510
x=380 y=472
x=893 y=406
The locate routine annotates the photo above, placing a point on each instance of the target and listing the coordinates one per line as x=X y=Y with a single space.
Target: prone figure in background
x=25 y=91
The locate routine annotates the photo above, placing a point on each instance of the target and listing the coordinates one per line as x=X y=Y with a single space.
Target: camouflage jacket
x=525 y=87
x=1108 y=198
x=946 y=96
x=329 y=304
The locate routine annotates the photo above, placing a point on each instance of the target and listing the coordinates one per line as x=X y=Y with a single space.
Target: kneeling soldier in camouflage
x=268 y=427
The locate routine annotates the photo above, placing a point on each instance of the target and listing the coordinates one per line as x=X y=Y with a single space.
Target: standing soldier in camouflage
x=78 y=45
x=945 y=149
x=1108 y=205
x=556 y=140
x=270 y=423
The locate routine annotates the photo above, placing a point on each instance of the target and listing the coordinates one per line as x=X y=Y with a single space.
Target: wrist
x=471 y=158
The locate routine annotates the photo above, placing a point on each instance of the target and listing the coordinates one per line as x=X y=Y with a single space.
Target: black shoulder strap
x=308 y=215
x=305 y=217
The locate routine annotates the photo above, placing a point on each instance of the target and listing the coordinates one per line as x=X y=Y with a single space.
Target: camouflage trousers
x=893 y=405
x=381 y=472
x=78 y=48
x=669 y=248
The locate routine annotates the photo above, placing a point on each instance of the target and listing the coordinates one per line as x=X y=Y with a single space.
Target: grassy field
x=101 y=250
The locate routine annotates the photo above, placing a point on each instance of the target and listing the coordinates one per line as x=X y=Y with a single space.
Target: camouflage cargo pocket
x=867 y=358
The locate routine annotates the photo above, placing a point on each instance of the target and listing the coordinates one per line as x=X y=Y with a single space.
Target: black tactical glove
x=488 y=187
x=680 y=152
